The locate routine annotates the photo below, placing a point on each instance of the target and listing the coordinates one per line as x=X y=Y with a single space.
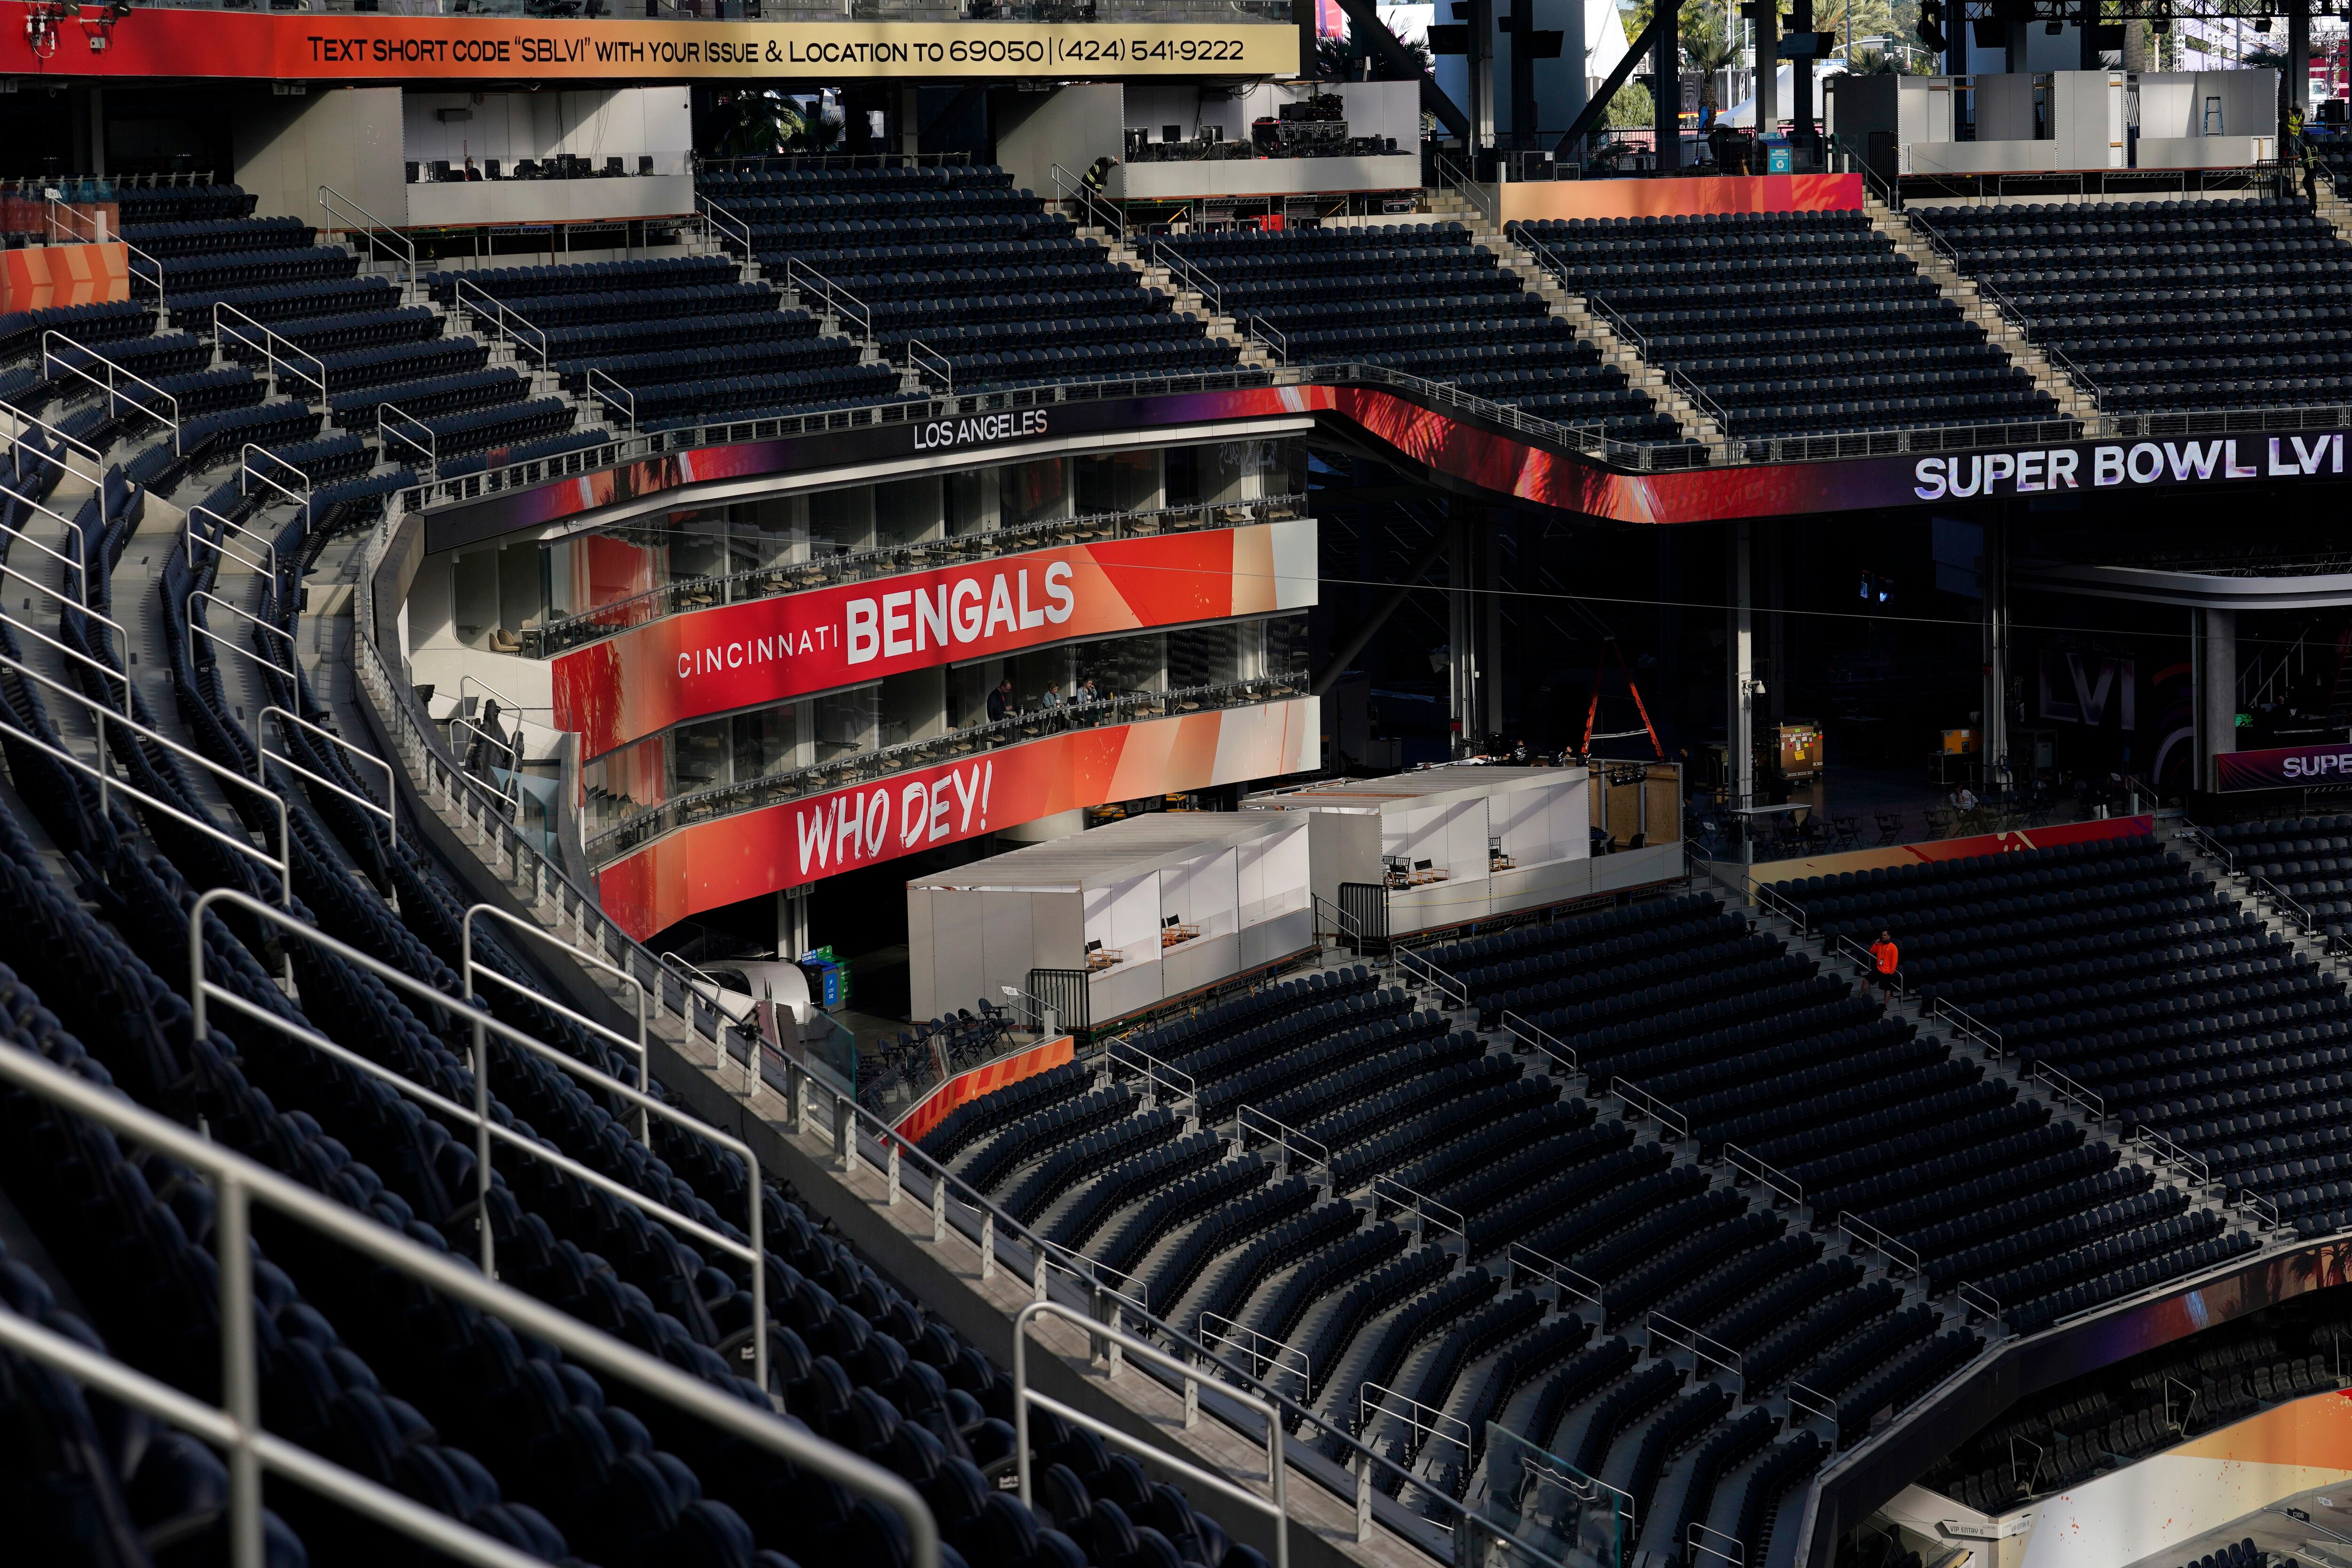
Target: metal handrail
x=190 y=537
x=1425 y=1420
x=786 y=578
x=2172 y=1153
x=81 y=543
x=194 y=625
x=247 y=474
x=101 y=617
x=1700 y=1539
x=1892 y=1248
x=102 y=715
x=1782 y=906
x=1267 y=1356
x=721 y=225
x=930 y=364
x=580 y=954
x=1249 y=1118
x=239 y=1181
x=1820 y=1407
x=1455 y=178
x=51 y=359
x=104 y=671
x=242 y=1436
x=1712 y=1351
x=1563 y=1279
x=838 y=300
x=2207 y=844
x=1123 y=1054
x=512 y=794
x=1528 y=1034
x=1426 y=1211
x=271 y=346
x=618 y=396
x=1748 y=1165
x=1647 y=1104
x=202 y=992
x=281 y=864
x=387 y=412
x=1191 y=276
x=1986 y=1037
x=263 y=755
x=1420 y=971
x=376 y=232
x=66 y=442
x=1024 y=1397
x=1073 y=187
x=1264 y=332
x=1978 y=1298
x=132 y=253
x=2084 y=1098
x=498 y=315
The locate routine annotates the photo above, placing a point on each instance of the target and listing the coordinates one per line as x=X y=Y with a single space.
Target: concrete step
x=2076 y=401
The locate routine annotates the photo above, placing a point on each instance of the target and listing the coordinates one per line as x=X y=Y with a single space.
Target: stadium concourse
x=989 y=821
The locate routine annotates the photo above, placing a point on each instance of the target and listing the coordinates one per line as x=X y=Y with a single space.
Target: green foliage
x=761 y=122
x=1353 y=59
x=1633 y=108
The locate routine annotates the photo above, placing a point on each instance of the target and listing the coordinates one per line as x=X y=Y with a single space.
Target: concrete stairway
x=1254 y=353
x=2030 y=1086
x=1450 y=207
x=2074 y=399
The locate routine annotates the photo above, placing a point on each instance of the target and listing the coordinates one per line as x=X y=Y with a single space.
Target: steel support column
x=2213 y=661
x=1739 y=665
x=1993 y=727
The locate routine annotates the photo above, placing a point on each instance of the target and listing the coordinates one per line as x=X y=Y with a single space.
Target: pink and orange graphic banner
x=708 y=864
x=987 y=1078
x=1535 y=200
x=683 y=667
x=1952 y=849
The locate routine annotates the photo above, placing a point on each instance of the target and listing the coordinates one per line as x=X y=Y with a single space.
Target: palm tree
x=758 y=122
x=1347 y=59
x=1707 y=51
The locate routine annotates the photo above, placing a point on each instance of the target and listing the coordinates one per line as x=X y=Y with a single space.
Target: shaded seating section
x=2259 y=1094
x=1793 y=323
x=952 y=256
x=684 y=338
x=1422 y=299
x=2225 y=303
x=21 y=331
x=2059 y=1437
x=1429 y=1172
x=2107 y=961
x=439 y=1402
x=208 y=251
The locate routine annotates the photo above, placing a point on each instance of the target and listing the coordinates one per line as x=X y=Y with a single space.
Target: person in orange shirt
x=1886 y=956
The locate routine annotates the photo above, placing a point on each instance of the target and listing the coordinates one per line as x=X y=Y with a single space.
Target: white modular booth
x=2050 y=121
x=1453 y=843
x=1151 y=908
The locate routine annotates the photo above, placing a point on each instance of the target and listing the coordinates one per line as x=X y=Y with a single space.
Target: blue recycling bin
x=1776 y=155
x=828 y=981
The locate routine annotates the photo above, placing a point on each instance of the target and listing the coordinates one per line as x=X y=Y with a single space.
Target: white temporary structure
x=1151 y=907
